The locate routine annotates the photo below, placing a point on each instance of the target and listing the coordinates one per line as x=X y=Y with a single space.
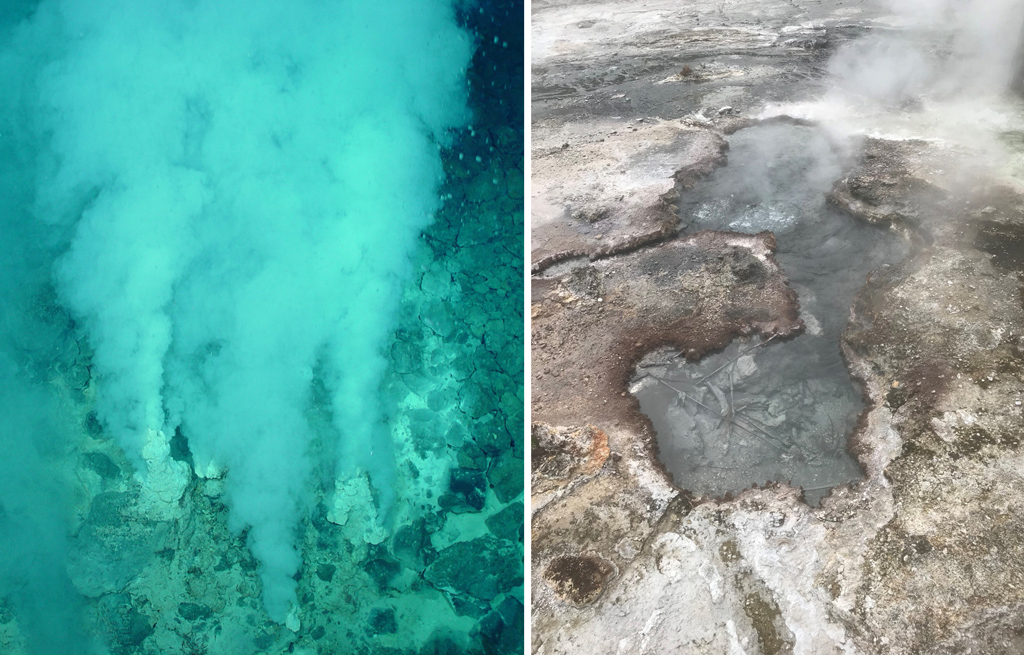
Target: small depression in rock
x=771 y=411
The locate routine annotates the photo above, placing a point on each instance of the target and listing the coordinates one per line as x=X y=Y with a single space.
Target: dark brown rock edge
x=922 y=556
x=592 y=325
x=590 y=328
x=596 y=214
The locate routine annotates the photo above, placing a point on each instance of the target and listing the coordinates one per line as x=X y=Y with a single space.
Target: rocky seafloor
x=633 y=110
x=449 y=581
x=447 y=578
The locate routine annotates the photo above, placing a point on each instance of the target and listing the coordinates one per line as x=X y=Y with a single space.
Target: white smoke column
x=250 y=179
x=983 y=35
x=932 y=69
x=949 y=48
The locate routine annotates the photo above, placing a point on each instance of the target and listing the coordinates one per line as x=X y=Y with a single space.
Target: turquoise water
x=261 y=349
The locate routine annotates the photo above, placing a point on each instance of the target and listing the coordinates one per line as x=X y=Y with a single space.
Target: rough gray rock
x=920 y=556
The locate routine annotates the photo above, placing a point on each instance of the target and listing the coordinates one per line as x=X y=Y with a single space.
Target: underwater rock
x=510 y=609
x=437 y=282
x=441 y=645
x=456 y=504
x=512 y=409
x=508 y=523
x=501 y=630
x=506 y=476
x=406 y=357
x=471 y=457
x=93 y=426
x=475 y=401
x=441 y=399
x=102 y=465
x=113 y=546
x=492 y=442
x=470 y=485
x=420 y=382
x=482 y=568
x=382 y=621
x=428 y=433
x=457 y=434
x=381 y=567
x=410 y=543
x=194 y=611
x=468 y=606
x=124 y=624
x=353 y=499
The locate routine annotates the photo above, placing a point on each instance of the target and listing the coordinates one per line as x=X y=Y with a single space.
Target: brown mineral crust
x=732 y=124
x=695 y=294
x=885 y=189
x=556 y=258
x=560 y=456
x=579 y=579
x=922 y=556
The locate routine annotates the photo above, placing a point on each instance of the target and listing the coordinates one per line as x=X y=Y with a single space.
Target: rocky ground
x=632 y=105
x=446 y=577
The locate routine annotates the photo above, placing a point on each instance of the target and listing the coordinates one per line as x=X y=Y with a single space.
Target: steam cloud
x=944 y=47
x=238 y=186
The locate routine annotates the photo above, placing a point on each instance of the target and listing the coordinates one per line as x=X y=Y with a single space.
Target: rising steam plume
x=949 y=48
x=232 y=191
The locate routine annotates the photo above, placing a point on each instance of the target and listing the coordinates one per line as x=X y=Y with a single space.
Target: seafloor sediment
x=191 y=585
x=445 y=577
x=921 y=555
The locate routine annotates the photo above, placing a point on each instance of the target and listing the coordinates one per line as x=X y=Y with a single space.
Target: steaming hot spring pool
x=777 y=410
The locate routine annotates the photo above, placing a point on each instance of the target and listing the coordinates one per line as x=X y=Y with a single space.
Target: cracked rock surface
x=921 y=555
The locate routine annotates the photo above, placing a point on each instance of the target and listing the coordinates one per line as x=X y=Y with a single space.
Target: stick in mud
x=686 y=396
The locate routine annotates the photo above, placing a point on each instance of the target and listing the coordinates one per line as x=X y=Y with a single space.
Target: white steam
x=946 y=48
x=244 y=183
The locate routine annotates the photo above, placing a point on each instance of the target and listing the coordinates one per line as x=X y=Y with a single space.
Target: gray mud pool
x=774 y=410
